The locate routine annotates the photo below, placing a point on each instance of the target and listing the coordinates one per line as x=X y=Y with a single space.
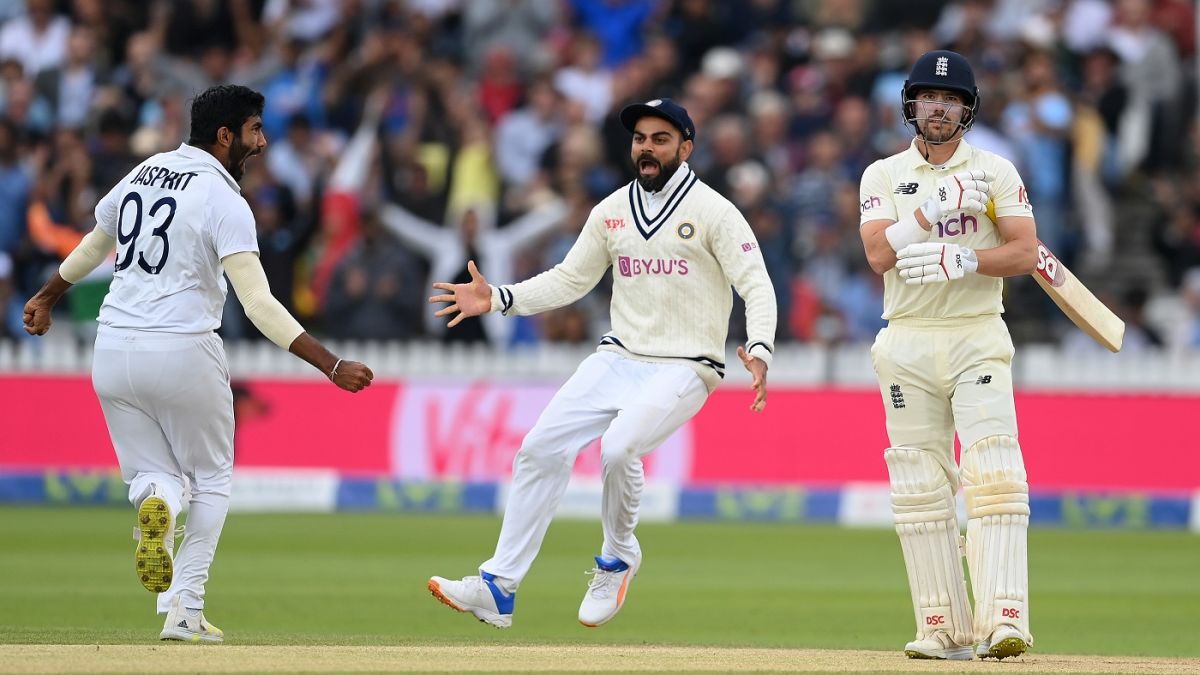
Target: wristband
x=904 y=232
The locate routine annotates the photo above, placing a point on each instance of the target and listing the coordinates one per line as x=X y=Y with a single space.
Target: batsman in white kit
x=944 y=364
x=676 y=247
x=178 y=221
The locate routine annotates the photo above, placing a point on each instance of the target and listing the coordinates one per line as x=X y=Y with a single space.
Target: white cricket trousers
x=632 y=406
x=169 y=409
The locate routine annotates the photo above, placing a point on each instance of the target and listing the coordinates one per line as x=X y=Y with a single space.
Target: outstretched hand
x=757 y=368
x=469 y=299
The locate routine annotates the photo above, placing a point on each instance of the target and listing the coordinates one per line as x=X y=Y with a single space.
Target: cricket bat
x=1074 y=299
x=1077 y=302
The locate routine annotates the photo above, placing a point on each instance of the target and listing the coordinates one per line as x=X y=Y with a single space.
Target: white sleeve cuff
x=760 y=350
x=502 y=300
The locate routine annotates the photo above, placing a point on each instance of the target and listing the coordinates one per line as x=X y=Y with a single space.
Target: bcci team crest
x=686 y=230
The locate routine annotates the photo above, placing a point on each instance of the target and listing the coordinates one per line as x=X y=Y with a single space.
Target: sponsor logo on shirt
x=749 y=246
x=633 y=267
x=957 y=225
x=614 y=223
x=907 y=189
x=870 y=203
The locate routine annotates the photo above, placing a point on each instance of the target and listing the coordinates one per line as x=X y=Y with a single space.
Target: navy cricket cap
x=665 y=108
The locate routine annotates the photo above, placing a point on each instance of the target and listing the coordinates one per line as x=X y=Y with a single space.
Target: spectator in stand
x=375 y=293
x=523 y=135
x=70 y=88
x=38 y=39
x=1038 y=119
x=585 y=80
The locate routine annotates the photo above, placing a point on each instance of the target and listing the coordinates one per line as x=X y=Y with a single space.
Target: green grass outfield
x=66 y=577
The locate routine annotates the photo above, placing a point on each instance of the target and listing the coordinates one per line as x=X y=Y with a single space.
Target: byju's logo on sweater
x=633 y=267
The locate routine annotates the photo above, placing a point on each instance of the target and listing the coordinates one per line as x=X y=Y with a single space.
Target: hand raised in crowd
x=469 y=299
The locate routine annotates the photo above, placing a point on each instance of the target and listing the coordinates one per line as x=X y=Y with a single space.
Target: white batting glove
x=966 y=191
x=931 y=263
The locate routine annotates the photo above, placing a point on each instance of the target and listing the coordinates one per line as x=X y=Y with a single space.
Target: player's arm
x=931 y=263
x=558 y=286
x=1017 y=256
x=269 y=316
x=92 y=250
x=885 y=236
x=877 y=213
x=736 y=249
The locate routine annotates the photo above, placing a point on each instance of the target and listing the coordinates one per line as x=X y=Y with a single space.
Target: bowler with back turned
x=676 y=247
x=179 y=221
x=944 y=364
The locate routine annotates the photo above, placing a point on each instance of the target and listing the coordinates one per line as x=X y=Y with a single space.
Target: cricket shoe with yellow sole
x=607 y=590
x=1004 y=642
x=153 y=555
x=478 y=595
x=189 y=625
x=938 y=646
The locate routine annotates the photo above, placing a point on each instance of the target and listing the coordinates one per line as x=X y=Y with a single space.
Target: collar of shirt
x=655 y=200
x=205 y=157
x=916 y=160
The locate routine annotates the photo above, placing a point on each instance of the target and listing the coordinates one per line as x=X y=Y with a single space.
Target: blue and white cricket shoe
x=607 y=590
x=478 y=595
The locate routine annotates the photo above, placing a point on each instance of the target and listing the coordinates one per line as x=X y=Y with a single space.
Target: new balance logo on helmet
x=942 y=67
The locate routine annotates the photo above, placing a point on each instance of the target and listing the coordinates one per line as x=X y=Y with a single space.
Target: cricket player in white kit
x=944 y=364
x=178 y=221
x=675 y=247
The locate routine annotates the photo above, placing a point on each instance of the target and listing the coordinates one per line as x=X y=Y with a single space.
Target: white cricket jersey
x=896 y=186
x=675 y=254
x=174 y=217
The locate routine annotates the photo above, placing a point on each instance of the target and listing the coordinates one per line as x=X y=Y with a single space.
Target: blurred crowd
x=408 y=136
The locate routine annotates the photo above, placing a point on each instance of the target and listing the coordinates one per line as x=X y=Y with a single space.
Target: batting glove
x=931 y=263
x=966 y=191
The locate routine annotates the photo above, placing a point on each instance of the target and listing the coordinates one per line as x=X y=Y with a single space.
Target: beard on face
x=238 y=152
x=944 y=133
x=656 y=182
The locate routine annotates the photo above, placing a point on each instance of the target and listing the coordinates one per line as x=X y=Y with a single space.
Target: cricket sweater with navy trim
x=675 y=255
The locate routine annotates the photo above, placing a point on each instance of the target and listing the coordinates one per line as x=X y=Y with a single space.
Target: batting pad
x=923 y=504
x=997 y=497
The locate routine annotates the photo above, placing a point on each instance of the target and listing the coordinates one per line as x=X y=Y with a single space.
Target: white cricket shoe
x=154 y=556
x=938 y=646
x=606 y=592
x=189 y=625
x=478 y=595
x=1004 y=642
